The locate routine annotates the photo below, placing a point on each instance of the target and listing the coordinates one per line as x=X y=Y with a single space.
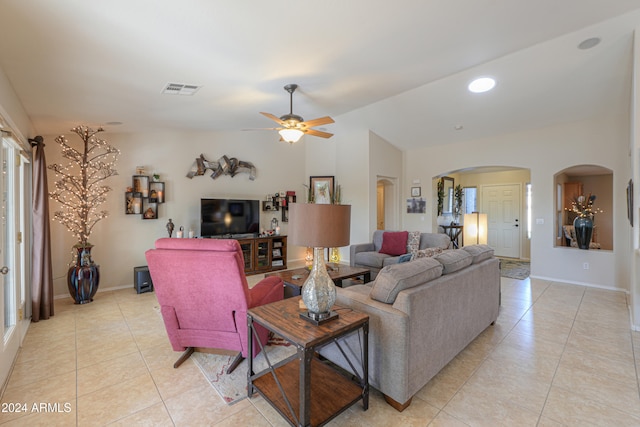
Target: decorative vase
x=84 y=277
x=583 y=226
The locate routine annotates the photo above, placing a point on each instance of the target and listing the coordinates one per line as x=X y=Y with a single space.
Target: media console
x=264 y=254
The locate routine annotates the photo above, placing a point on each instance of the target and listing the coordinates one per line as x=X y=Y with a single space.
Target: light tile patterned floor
x=558 y=355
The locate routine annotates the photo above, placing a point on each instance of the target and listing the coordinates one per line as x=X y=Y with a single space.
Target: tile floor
x=558 y=355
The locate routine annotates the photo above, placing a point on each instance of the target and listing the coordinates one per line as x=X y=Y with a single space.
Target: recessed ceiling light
x=589 y=43
x=458 y=127
x=482 y=84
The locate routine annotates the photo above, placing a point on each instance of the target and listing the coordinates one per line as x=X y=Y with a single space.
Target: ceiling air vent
x=180 y=89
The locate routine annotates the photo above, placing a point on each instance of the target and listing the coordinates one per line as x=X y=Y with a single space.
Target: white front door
x=502 y=203
x=10 y=272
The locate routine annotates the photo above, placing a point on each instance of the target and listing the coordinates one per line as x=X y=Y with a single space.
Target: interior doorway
x=387 y=203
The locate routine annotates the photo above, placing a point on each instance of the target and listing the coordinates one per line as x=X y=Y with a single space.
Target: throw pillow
x=394 y=243
x=405 y=258
x=413 y=241
x=425 y=253
x=392 y=279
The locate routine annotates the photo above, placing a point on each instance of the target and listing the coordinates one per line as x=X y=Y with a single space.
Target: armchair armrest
x=268 y=290
x=359 y=247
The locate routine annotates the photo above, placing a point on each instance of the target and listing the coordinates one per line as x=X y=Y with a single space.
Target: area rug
x=233 y=387
x=514 y=269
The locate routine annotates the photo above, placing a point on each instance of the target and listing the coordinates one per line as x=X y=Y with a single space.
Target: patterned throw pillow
x=426 y=253
x=413 y=241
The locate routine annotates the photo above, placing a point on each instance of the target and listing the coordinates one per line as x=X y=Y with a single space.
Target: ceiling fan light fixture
x=291 y=135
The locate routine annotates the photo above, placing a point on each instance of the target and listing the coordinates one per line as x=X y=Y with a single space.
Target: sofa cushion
x=413 y=241
x=395 y=278
x=371 y=259
x=479 y=252
x=425 y=253
x=454 y=260
x=394 y=243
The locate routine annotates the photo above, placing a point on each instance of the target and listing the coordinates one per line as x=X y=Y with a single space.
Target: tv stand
x=263 y=254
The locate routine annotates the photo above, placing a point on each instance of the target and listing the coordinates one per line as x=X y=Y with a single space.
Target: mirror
x=447 y=200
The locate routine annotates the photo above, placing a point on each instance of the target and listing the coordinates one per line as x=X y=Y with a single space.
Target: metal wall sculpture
x=223 y=166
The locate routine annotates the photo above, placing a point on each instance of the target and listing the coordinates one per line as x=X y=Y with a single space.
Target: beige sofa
x=367 y=255
x=422 y=313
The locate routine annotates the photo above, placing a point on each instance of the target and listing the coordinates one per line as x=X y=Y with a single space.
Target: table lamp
x=319 y=226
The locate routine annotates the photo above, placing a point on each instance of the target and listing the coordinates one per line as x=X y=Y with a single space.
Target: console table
x=455 y=233
x=289 y=384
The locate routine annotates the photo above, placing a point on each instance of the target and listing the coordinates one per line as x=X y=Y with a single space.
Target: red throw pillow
x=394 y=242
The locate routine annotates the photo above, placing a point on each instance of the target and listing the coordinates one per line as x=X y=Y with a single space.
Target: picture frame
x=416 y=205
x=322 y=189
x=416 y=191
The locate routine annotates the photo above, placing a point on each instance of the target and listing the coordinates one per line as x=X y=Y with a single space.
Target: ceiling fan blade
x=262 y=129
x=317 y=133
x=317 y=122
x=274 y=118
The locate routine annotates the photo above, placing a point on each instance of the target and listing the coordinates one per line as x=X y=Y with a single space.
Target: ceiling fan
x=293 y=126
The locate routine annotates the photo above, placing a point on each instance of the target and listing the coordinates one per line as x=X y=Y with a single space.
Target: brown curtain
x=42 y=275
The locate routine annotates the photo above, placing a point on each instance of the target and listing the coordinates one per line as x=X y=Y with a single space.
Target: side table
x=303 y=389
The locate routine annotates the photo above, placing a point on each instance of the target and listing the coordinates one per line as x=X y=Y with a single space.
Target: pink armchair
x=204 y=295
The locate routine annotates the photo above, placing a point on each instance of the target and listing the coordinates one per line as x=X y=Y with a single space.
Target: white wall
x=121 y=240
x=13 y=113
x=546 y=152
x=385 y=160
x=634 y=149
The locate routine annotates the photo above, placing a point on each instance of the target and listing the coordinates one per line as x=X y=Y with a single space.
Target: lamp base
x=319 y=318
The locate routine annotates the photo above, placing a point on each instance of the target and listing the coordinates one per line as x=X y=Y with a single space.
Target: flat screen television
x=226 y=217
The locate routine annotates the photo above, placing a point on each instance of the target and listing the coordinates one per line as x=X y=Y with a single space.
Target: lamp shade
x=475 y=229
x=291 y=135
x=319 y=226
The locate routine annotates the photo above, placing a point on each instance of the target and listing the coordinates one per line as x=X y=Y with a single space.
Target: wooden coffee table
x=294 y=279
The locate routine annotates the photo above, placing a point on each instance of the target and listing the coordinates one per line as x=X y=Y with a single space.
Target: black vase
x=84 y=277
x=583 y=226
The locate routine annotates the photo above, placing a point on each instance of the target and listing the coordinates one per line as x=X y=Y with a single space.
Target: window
x=470 y=200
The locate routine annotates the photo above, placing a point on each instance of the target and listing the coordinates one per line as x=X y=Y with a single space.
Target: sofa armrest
x=359 y=247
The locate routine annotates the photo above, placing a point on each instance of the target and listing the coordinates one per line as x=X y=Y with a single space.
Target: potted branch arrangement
x=79 y=190
x=458 y=193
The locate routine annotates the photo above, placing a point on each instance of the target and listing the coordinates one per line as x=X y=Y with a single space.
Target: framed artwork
x=415 y=191
x=321 y=188
x=416 y=205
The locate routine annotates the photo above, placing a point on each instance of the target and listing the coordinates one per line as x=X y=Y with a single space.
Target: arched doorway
x=386 y=203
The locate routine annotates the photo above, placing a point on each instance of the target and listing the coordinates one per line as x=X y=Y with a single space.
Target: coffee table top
x=298 y=276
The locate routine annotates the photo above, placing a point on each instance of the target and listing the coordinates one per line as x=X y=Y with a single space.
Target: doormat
x=514 y=269
x=233 y=387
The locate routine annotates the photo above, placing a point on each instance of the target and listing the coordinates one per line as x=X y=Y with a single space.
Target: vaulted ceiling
x=404 y=65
